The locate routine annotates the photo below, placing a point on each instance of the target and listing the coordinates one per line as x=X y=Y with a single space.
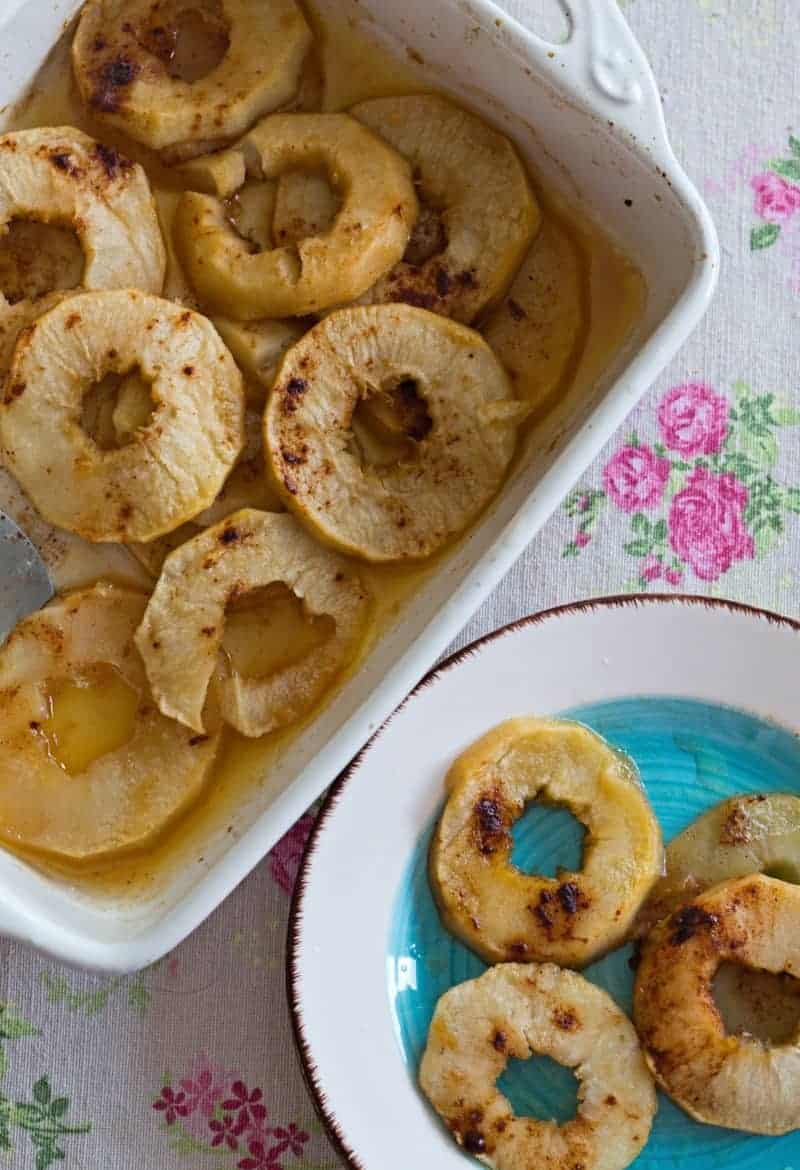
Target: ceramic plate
x=701 y=694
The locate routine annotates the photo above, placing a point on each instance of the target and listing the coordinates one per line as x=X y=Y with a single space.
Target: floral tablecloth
x=191 y=1064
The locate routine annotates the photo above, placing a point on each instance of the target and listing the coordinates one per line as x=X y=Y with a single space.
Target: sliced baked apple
x=736 y=1081
x=258 y=346
x=538 y=328
x=88 y=765
x=513 y=1011
x=252 y=211
x=56 y=179
x=37 y=258
x=247 y=486
x=182 y=630
x=151 y=554
x=224 y=174
x=458 y=458
x=131 y=408
x=505 y=914
x=15 y=318
x=481 y=212
x=176 y=463
x=305 y=205
x=753 y=833
x=71 y=561
x=367 y=236
x=125 y=58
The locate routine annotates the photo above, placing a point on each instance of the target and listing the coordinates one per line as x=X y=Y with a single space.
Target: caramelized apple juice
x=564 y=319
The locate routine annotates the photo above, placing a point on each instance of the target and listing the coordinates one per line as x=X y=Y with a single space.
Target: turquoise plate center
x=691 y=755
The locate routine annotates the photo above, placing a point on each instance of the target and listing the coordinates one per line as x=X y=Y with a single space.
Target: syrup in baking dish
x=609 y=303
x=100 y=700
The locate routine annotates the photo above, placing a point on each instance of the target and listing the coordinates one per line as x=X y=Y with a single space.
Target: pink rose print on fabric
x=653 y=568
x=693 y=419
x=776 y=199
x=706 y=524
x=635 y=478
x=284 y=860
x=701 y=495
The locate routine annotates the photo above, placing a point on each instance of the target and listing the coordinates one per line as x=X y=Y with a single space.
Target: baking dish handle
x=606 y=60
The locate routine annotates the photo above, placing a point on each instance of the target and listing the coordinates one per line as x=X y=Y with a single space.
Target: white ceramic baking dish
x=587 y=115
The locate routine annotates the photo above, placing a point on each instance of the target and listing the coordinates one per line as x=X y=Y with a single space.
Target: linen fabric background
x=191 y=1063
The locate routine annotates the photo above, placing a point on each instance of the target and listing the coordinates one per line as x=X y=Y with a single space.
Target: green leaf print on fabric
x=765 y=506
x=762 y=448
x=43 y=1116
x=786 y=416
x=91 y=1003
x=789 y=168
x=42 y=1119
x=649 y=538
x=12 y=1027
x=702 y=496
x=764 y=236
x=754 y=413
x=588 y=506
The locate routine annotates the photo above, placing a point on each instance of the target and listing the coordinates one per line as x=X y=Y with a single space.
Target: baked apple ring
x=516 y=1010
x=128 y=794
x=305 y=205
x=62 y=177
x=504 y=914
x=367 y=236
x=258 y=347
x=176 y=463
x=754 y=833
x=123 y=59
x=267 y=212
x=735 y=1081
x=247 y=486
x=15 y=318
x=539 y=327
x=181 y=632
x=411 y=508
x=471 y=180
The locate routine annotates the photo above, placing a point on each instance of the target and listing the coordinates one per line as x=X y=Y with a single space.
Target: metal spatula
x=25 y=583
